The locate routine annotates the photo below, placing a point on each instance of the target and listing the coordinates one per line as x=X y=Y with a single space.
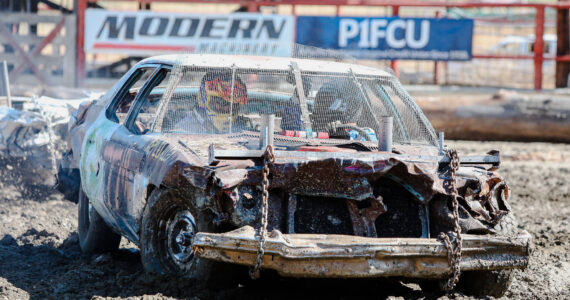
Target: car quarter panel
x=135 y=162
x=98 y=130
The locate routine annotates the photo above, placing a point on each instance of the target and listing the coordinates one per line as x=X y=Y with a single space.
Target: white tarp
x=152 y=33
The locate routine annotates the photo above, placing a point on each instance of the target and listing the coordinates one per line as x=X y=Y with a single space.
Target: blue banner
x=390 y=37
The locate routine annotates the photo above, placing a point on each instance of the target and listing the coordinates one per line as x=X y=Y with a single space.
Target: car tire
x=432 y=286
x=480 y=283
x=490 y=283
x=485 y=283
x=168 y=226
x=94 y=235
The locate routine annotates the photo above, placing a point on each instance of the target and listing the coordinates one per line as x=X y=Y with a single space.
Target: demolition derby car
x=310 y=168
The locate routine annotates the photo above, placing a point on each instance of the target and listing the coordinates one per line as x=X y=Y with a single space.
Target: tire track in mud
x=40 y=257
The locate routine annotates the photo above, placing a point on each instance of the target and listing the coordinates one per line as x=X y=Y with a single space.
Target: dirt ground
x=40 y=256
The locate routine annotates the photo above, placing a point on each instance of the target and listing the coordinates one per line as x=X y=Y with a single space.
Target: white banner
x=150 y=33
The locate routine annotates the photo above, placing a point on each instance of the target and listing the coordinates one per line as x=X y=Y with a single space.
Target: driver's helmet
x=216 y=102
x=339 y=101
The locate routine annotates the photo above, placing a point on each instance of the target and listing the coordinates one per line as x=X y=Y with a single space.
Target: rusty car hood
x=347 y=174
x=331 y=177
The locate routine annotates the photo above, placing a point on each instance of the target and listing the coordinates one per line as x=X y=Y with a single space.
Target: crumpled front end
x=387 y=207
x=330 y=196
x=373 y=197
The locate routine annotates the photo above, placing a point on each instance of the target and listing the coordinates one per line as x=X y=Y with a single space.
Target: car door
x=125 y=153
x=94 y=167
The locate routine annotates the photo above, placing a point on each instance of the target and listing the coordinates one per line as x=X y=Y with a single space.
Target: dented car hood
x=337 y=172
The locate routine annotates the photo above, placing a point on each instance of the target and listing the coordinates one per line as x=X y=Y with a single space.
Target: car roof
x=263 y=63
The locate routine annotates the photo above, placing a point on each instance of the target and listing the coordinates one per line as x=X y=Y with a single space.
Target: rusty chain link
x=268 y=158
x=453 y=251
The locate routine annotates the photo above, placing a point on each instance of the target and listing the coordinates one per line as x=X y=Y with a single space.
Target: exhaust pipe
x=267 y=130
x=385 y=138
x=441 y=142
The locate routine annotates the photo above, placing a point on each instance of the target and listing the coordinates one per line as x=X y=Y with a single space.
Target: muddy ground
x=40 y=257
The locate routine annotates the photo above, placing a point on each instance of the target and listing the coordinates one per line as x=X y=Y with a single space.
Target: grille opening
x=401 y=218
x=322 y=215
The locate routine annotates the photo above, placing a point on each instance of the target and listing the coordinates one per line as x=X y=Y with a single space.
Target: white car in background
x=515 y=73
x=524 y=45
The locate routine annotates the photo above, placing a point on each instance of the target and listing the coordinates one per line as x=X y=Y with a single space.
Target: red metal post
x=394 y=63
x=538 y=48
x=252 y=7
x=338 y=10
x=436 y=63
x=562 y=74
x=143 y=5
x=80 y=62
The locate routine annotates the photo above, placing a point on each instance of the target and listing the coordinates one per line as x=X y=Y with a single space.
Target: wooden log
x=505 y=116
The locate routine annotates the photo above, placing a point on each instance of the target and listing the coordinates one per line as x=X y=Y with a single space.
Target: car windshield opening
x=308 y=106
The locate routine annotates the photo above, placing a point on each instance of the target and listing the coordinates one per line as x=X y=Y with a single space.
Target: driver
x=216 y=110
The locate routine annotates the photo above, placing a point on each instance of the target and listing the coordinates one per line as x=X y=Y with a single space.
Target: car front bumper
x=343 y=256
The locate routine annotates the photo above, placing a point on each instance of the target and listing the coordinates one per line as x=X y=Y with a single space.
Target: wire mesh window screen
x=178 y=111
x=332 y=106
x=124 y=104
x=411 y=125
x=340 y=105
x=148 y=109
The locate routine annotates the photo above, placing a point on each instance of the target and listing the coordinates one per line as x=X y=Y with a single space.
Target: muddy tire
x=490 y=283
x=474 y=283
x=480 y=283
x=432 y=286
x=485 y=283
x=169 y=224
x=94 y=235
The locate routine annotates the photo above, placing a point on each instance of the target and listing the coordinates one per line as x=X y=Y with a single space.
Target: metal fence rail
x=37 y=58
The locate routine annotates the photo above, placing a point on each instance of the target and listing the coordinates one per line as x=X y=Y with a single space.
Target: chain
x=268 y=158
x=453 y=251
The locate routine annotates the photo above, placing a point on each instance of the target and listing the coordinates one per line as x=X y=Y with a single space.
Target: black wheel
x=485 y=283
x=169 y=224
x=94 y=235
x=490 y=283
x=432 y=286
x=475 y=283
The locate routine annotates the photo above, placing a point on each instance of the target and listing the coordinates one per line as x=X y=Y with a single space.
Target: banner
x=151 y=33
x=390 y=38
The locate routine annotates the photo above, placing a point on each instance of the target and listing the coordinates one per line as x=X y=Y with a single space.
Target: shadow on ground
x=46 y=271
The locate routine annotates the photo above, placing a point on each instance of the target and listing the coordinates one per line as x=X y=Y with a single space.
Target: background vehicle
x=478 y=71
x=523 y=45
x=337 y=199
